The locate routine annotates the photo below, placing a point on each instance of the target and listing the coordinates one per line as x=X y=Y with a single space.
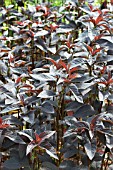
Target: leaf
x=81 y=124
x=106 y=27
x=31 y=99
x=63 y=65
x=70 y=153
x=28 y=133
x=50 y=150
x=41 y=44
x=12 y=163
x=53 y=155
x=69 y=165
x=31 y=8
x=110 y=97
x=2 y=19
x=109 y=141
x=46 y=134
x=46 y=94
x=90 y=148
x=41 y=33
x=29 y=116
x=10 y=119
x=84 y=79
x=47 y=107
x=1 y=120
x=64 y=30
x=41 y=138
x=93 y=122
x=73 y=69
x=3 y=126
x=22 y=151
x=98 y=37
x=43 y=77
x=96 y=51
x=38 y=139
x=10 y=108
x=70 y=120
x=3 y=68
x=104 y=58
x=53 y=61
x=106 y=117
x=73 y=106
x=15 y=138
x=76 y=93
x=30 y=147
x=105 y=41
x=89 y=48
x=98 y=19
x=84 y=111
x=86 y=9
x=48 y=165
x=15 y=29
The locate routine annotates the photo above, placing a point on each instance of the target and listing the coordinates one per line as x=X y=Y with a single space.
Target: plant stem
x=106 y=165
x=32 y=54
x=89 y=164
x=103 y=159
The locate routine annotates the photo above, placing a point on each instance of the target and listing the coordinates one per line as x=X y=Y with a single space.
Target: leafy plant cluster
x=25 y=2
x=56 y=88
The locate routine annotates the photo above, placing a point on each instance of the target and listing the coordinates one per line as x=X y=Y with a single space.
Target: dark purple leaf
x=43 y=77
x=10 y=108
x=28 y=133
x=50 y=150
x=90 y=148
x=46 y=94
x=31 y=99
x=30 y=147
x=47 y=107
x=22 y=151
x=72 y=106
x=101 y=137
x=41 y=33
x=15 y=138
x=12 y=163
x=84 y=78
x=70 y=120
x=46 y=134
x=10 y=119
x=52 y=154
x=107 y=118
x=41 y=44
x=76 y=93
x=110 y=97
x=84 y=111
x=109 y=141
x=70 y=153
x=49 y=166
x=29 y=116
x=81 y=124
